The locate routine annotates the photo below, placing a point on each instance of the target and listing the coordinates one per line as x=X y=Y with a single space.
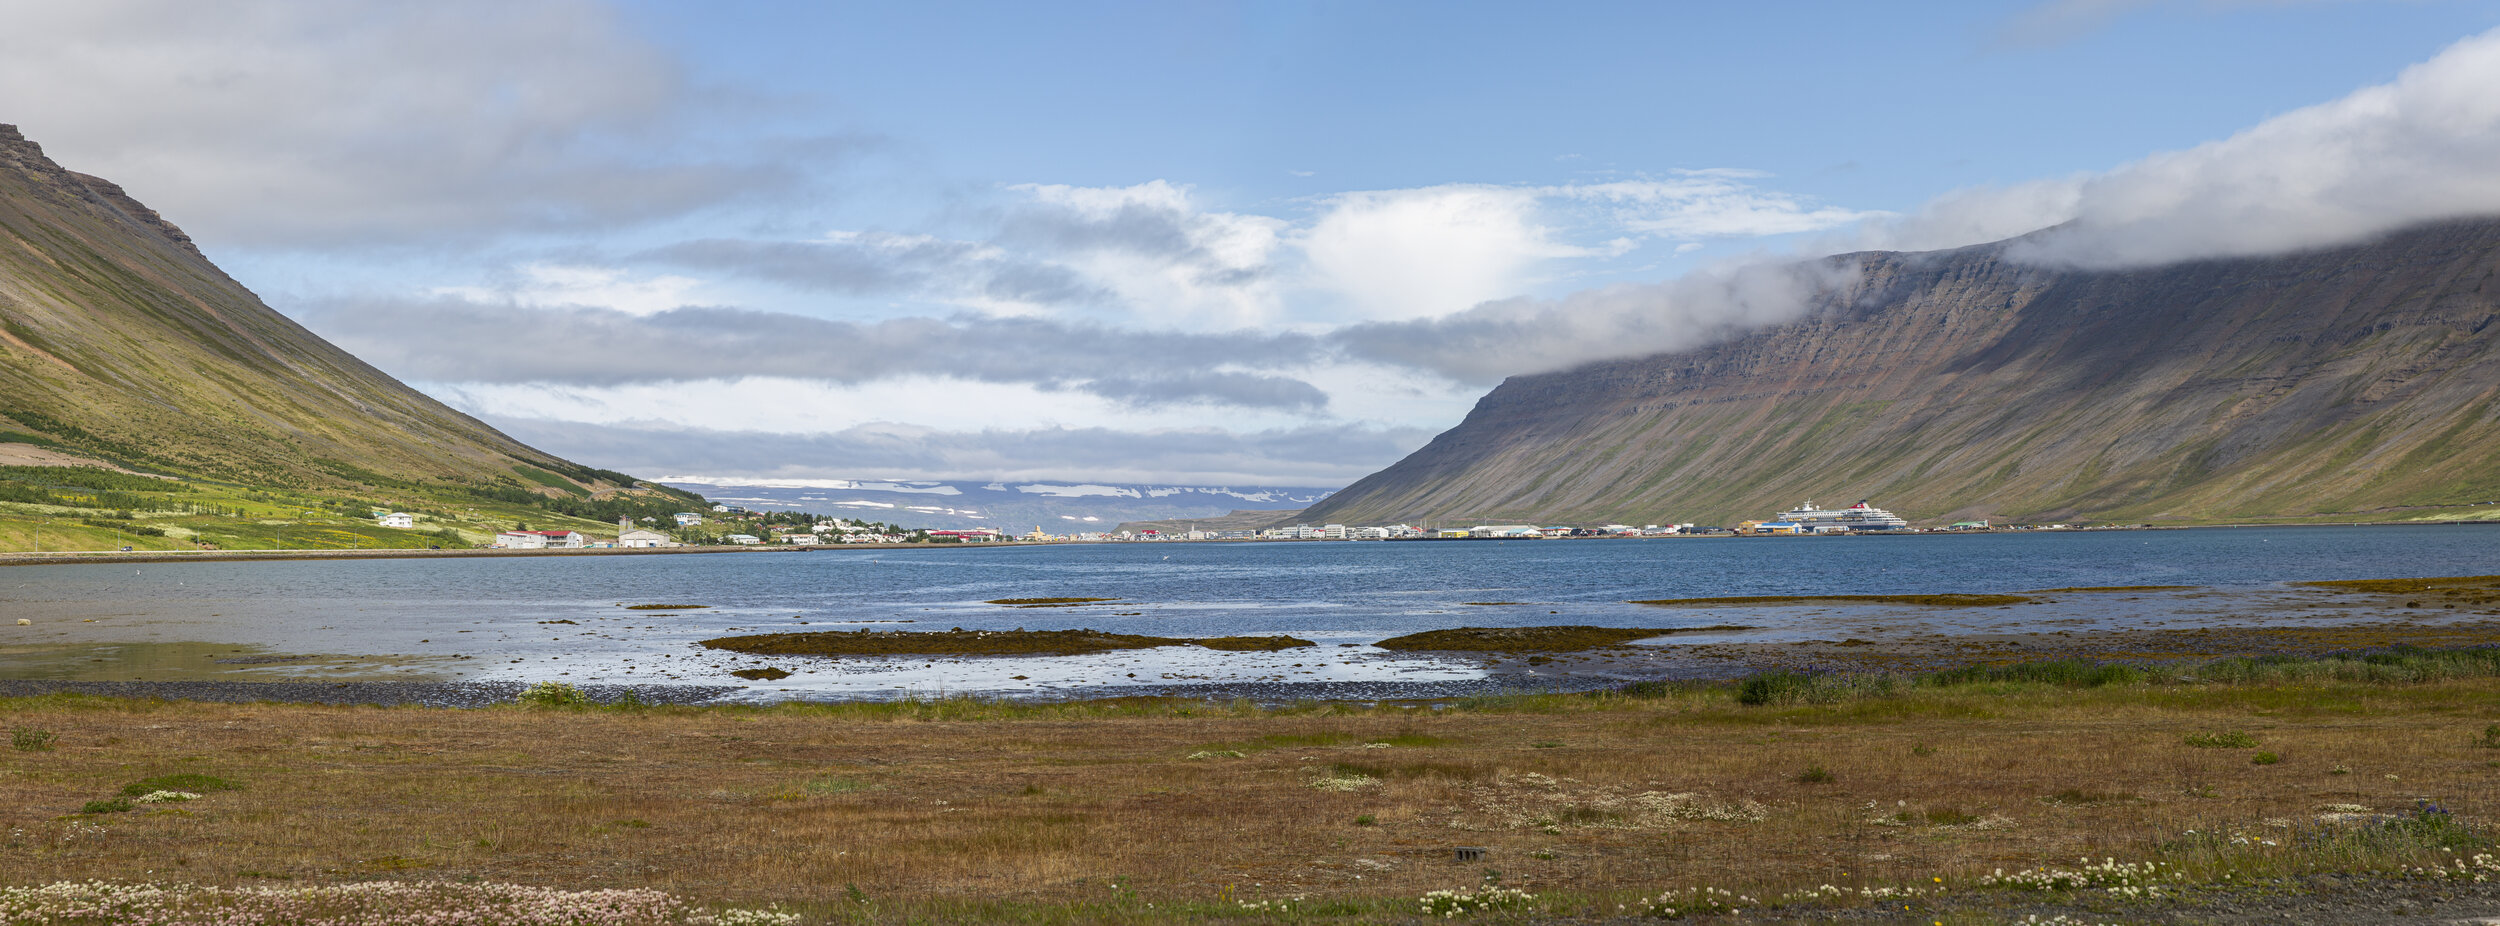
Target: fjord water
x=496 y=618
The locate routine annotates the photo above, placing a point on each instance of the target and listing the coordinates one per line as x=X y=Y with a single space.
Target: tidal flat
x=1886 y=604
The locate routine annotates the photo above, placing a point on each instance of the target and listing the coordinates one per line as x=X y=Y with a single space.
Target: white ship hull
x=1858 y=517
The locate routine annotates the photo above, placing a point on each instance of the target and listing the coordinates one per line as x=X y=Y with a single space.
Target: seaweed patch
x=1533 y=639
x=1933 y=601
x=2117 y=588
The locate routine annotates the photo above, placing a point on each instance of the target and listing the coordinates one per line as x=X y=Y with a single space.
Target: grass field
x=143 y=513
x=1947 y=795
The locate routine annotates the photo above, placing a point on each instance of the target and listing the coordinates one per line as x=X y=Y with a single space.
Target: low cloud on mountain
x=1523 y=335
x=2417 y=149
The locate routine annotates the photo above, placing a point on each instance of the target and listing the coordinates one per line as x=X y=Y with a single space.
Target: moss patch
x=1931 y=601
x=762 y=675
x=665 y=607
x=2471 y=591
x=1047 y=602
x=975 y=643
x=1253 y=644
x=2117 y=588
x=1532 y=639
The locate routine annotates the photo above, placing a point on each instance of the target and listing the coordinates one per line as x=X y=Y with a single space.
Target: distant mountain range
x=1017 y=507
x=2356 y=383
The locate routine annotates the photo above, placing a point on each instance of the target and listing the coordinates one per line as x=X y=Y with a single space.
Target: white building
x=642 y=537
x=808 y=540
x=688 y=519
x=399 y=519
x=540 y=540
x=1505 y=530
x=743 y=538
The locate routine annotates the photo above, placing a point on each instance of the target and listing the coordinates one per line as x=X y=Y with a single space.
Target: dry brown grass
x=1186 y=801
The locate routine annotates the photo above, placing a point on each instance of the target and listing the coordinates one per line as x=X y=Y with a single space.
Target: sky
x=1188 y=243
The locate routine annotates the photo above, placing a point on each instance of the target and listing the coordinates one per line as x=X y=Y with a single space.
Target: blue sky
x=1209 y=243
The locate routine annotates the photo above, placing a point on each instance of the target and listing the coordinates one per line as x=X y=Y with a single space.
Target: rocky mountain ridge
x=2342 y=384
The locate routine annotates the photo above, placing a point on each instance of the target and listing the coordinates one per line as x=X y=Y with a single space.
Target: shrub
x=113 y=805
x=2490 y=740
x=1814 y=775
x=1771 y=687
x=29 y=739
x=1366 y=820
x=553 y=694
x=1784 y=687
x=2264 y=758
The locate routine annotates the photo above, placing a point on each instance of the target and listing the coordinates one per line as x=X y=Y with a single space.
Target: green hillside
x=123 y=348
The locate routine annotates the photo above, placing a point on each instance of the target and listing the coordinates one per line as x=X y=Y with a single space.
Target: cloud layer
x=268 y=123
x=2421 y=148
x=1522 y=335
x=1318 y=455
x=454 y=340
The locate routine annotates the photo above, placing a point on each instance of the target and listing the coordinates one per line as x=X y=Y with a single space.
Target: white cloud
x=784 y=405
x=543 y=286
x=1314 y=455
x=317 y=125
x=2419 y=149
x=1170 y=262
x=1515 y=336
x=1431 y=251
x=1708 y=204
x=1397 y=254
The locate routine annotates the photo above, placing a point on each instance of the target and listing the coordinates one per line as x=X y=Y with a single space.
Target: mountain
x=1016 y=507
x=119 y=341
x=2344 y=384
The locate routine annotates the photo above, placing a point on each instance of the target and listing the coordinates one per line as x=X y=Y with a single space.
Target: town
x=800 y=529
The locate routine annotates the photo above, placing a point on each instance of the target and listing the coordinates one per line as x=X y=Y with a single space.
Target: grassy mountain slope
x=2354 y=383
x=121 y=343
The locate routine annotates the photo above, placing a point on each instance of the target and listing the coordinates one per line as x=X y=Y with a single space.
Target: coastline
x=73 y=557
x=186 y=556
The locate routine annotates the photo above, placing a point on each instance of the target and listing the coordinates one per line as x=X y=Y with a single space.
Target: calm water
x=418 y=614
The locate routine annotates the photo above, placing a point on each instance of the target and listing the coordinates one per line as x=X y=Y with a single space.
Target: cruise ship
x=1858 y=517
